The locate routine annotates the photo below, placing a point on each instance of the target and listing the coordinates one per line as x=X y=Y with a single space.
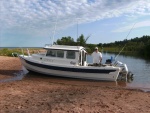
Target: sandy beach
x=43 y=94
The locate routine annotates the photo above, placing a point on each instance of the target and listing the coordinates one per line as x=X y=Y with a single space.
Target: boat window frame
x=74 y=56
x=55 y=52
x=59 y=51
x=49 y=55
x=84 y=56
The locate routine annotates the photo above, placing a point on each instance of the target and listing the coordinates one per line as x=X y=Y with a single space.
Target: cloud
x=145 y=23
x=36 y=16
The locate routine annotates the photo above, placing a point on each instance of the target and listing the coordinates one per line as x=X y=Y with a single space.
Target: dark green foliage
x=90 y=47
x=65 y=41
x=81 y=41
x=139 y=46
x=145 y=50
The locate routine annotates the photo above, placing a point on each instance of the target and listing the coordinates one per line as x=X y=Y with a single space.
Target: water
x=139 y=67
x=17 y=76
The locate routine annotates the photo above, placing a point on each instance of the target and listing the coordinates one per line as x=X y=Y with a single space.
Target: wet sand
x=36 y=93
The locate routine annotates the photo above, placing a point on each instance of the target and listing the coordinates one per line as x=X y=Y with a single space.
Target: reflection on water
x=17 y=76
x=139 y=67
x=141 y=71
x=81 y=82
x=72 y=81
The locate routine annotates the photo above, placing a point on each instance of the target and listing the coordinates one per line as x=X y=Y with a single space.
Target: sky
x=34 y=23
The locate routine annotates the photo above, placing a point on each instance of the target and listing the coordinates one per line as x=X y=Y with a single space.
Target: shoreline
x=51 y=94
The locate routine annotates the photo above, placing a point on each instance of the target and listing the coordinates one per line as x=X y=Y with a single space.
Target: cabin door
x=83 y=58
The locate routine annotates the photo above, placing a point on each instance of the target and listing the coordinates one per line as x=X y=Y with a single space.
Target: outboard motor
x=124 y=69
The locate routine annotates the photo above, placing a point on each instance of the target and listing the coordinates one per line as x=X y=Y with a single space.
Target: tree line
x=138 y=45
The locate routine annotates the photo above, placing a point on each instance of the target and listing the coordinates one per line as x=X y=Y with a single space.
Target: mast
x=77 y=28
x=55 y=28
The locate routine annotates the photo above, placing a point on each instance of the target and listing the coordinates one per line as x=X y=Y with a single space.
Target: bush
x=8 y=52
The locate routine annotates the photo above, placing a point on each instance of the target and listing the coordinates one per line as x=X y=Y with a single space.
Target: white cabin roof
x=63 y=47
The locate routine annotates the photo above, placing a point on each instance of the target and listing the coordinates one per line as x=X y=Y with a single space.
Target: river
x=139 y=67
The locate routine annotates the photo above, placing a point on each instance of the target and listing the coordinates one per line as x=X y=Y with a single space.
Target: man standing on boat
x=97 y=57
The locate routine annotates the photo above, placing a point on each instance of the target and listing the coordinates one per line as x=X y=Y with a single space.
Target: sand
x=43 y=94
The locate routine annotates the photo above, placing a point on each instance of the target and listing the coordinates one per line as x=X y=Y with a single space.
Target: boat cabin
x=64 y=55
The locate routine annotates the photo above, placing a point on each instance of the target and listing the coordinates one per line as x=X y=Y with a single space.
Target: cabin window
x=51 y=53
x=60 y=53
x=70 y=55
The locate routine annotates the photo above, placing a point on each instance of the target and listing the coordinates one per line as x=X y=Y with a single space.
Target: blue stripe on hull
x=69 y=69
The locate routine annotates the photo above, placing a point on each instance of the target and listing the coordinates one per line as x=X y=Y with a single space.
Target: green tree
x=81 y=40
x=65 y=41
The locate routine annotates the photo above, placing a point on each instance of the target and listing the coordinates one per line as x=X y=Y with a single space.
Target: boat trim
x=69 y=69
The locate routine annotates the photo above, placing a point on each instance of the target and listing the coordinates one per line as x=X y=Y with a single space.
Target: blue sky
x=31 y=23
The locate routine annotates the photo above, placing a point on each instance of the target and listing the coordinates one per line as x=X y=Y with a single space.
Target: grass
x=8 y=52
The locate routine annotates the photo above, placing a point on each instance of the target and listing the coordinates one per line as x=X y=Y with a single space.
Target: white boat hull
x=85 y=72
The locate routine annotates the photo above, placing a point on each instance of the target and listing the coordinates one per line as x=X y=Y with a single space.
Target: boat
x=70 y=61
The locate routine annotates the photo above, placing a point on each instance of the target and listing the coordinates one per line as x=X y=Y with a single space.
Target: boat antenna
x=126 y=39
x=54 y=29
x=77 y=29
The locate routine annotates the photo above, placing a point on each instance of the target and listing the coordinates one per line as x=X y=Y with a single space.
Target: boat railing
x=48 y=45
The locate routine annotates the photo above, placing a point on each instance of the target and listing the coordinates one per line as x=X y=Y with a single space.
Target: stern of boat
x=123 y=74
